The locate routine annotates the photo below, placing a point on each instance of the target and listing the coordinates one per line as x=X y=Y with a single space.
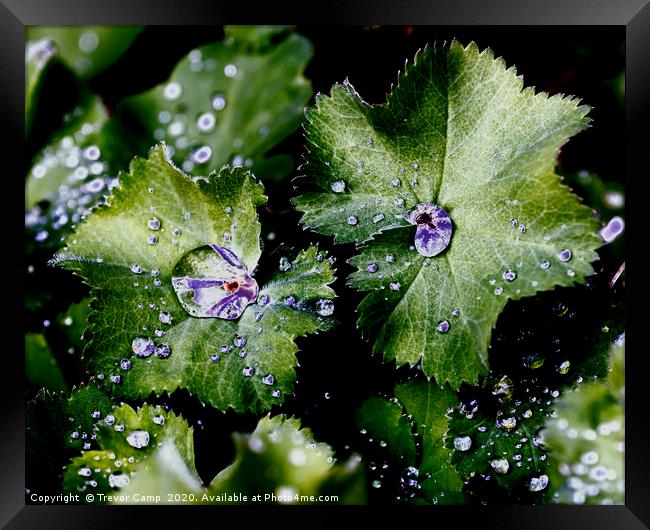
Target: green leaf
x=41 y=367
x=586 y=440
x=73 y=172
x=58 y=426
x=113 y=243
x=419 y=411
x=282 y=459
x=87 y=50
x=278 y=458
x=39 y=58
x=258 y=37
x=127 y=439
x=228 y=103
x=459 y=132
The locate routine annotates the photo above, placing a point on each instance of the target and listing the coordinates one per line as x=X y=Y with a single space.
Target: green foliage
x=230 y=102
x=409 y=432
x=586 y=439
x=281 y=458
x=457 y=131
x=39 y=57
x=126 y=439
x=87 y=50
x=41 y=368
x=278 y=458
x=132 y=290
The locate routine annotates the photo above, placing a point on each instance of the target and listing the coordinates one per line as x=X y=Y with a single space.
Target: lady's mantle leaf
x=587 y=440
x=40 y=55
x=140 y=337
x=228 y=102
x=127 y=439
x=87 y=50
x=417 y=412
x=278 y=458
x=281 y=458
x=457 y=132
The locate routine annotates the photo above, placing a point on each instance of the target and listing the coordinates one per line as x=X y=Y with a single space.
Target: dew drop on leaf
x=118 y=481
x=153 y=223
x=564 y=255
x=434 y=228
x=443 y=326
x=462 y=443
x=325 y=308
x=338 y=186
x=211 y=281
x=142 y=346
x=138 y=439
x=372 y=267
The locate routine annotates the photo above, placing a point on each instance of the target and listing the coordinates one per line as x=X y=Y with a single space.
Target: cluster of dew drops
x=179 y=130
x=88 y=180
x=116 y=471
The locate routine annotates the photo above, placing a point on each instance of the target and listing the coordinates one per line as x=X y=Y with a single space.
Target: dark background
x=337 y=370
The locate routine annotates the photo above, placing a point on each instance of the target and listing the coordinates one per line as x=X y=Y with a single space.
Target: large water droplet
x=118 y=481
x=338 y=186
x=434 y=229
x=538 y=483
x=142 y=346
x=211 y=281
x=325 y=308
x=500 y=465
x=462 y=443
x=138 y=439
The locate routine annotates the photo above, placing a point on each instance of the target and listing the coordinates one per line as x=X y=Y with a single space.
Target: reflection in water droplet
x=211 y=281
x=338 y=186
x=434 y=229
x=325 y=308
x=462 y=443
x=138 y=439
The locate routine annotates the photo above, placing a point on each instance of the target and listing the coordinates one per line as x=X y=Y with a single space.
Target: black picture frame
x=633 y=14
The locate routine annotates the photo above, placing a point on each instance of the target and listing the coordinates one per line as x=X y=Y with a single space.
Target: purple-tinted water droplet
x=434 y=229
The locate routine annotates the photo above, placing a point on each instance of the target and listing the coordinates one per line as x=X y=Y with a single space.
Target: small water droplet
x=564 y=367
x=338 y=186
x=394 y=286
x=248 y=371
x=162 y=351
x=443 y=326
x=138 y=439
x=498 y=291
x=352 y=220
x=325 y=308
x=125 y=364
x=462 y=443
x=276 y=393
x=218 y=102
x=500 y=465
x=172 y=91
x=545 y=264
x=570 y=272
x=396 y=183
x=390 y=258
x=136 y=269
x=230 y=70
x=285 y=264
x=564 y=255
x=240 y=341
x=142 y=346
x=115 y=379
x=378 y=218
x=372 y=267
x=268 y=380
x=538 y=483
x=214 y=357
x=509 y=276
x=152 y=240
